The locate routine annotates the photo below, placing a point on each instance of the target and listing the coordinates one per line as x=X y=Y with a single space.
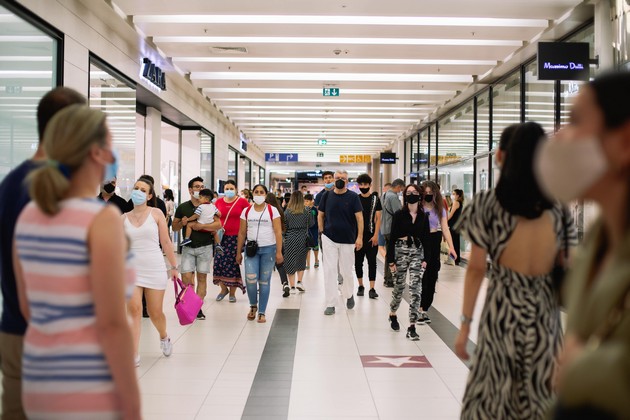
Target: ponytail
x=67 y=141
x=48 y=187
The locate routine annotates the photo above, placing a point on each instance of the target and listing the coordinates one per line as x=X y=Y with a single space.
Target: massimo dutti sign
x=563 y=61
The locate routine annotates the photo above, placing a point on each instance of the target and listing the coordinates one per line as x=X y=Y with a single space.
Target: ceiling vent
x=228 y=50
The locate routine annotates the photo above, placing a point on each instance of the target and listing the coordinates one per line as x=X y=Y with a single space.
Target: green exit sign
x=331 y=91
x=322 y=142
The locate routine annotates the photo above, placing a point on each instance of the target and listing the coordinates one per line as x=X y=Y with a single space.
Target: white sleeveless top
x=145 y=245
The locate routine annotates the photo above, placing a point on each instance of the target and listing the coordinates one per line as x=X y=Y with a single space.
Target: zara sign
x=153 y=74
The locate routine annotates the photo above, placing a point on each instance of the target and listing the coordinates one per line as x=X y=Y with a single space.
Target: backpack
x=268 y=208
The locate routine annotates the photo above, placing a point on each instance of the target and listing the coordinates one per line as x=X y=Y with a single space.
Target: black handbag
x=251 y=248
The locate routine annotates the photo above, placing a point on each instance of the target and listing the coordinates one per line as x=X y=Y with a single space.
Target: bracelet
x=465 y=319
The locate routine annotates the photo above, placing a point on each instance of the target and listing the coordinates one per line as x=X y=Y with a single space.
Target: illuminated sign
x=153 y=74
x=563 y=61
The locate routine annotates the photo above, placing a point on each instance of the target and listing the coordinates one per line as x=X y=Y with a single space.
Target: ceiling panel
x=265 y=64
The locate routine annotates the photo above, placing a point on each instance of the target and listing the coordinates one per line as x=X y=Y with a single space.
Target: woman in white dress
x=146 y=228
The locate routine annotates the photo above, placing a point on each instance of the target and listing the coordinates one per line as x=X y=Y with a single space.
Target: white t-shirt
x=206 y=213
x=266 y=235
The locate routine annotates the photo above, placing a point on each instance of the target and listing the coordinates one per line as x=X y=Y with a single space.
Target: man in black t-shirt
x=340 y=221
x=372 y=221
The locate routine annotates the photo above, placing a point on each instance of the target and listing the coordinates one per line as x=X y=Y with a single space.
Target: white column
x=191 y=162
x=153 y=143
x=604 y=34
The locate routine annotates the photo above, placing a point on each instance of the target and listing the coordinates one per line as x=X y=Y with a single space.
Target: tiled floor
x=216 y=370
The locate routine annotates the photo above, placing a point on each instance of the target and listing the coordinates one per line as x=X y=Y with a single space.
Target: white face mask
x=196 y=195
x=259 y=199
x=566 y=170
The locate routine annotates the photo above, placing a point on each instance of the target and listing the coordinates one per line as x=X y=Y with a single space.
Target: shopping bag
x=187 y=303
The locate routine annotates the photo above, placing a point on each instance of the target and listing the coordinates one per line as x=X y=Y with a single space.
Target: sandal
x=252 y=313
x=232 y=299
x=220 y=296
x=261 y=318
x=317 y=264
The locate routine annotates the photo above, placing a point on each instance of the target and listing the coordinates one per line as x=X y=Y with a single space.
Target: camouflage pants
x=408 y=258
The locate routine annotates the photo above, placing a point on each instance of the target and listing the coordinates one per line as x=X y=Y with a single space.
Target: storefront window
x=117 y=98
x=483 y=122
x=483 y=178
x=246 y=166
x=506 y=105
x=262 y=172
x=539 y=98
x=456 y=135
x=29 y=67
x=206 y=168
x=169 y=167
x=232 y=165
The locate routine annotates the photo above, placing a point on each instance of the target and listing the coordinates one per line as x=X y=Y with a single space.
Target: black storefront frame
x=39 y=23
x=520 y=70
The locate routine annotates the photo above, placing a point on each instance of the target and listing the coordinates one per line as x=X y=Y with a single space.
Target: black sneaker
x=361 y=291
x=372 y=293
x=200 y=315
x=426 y=318
x=393 y=322
x=287 y=290
x=388 y=283
x=412 y=334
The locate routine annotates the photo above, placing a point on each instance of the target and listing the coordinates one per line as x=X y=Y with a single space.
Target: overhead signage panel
x=563 y=61
x=281 y=157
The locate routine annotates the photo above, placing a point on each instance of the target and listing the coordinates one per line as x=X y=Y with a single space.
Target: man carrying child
x=204 y=215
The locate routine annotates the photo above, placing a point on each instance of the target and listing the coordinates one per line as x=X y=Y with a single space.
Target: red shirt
x=233 y=224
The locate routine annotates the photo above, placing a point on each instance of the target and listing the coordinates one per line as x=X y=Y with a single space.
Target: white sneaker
x=167 y=346
x=136 y=361
x=293 y=291
x=300 y=287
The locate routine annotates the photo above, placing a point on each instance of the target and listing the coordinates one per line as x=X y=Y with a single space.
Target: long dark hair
x=517 y=190
x=460 y=196
x=438 y=201
x=273 y=201
x=168 y=195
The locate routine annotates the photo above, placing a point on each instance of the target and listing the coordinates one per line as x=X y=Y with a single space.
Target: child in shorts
x=204 y=214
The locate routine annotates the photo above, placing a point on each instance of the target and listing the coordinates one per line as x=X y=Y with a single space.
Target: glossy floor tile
x=305 y=365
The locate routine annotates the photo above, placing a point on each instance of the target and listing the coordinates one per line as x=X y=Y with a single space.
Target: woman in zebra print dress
x=519 y=330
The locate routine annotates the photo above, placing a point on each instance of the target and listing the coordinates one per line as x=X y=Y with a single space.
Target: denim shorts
x=196 y=259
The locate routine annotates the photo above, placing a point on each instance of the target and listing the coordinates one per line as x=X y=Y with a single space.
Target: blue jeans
x=258 y=270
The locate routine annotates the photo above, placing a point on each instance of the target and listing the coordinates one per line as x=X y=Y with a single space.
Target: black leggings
x=431 y=274
x=369 y=251
x=281 y=270
x=456 y=244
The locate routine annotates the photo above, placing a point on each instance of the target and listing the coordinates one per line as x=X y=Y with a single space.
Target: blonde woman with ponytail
x=72 y=279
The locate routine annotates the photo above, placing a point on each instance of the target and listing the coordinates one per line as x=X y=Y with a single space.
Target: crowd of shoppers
x=67 y=243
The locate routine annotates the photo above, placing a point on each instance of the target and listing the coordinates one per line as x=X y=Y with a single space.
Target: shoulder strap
x=246 y=211
x=230 y=210
x=270 y=212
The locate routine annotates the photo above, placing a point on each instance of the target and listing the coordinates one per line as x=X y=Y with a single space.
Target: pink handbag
x=187 y=303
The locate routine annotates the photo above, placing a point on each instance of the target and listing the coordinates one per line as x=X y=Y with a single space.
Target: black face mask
x=364 y=190
x=428 y=198
x=339 y=184
x=109 y=188
x=412 y=198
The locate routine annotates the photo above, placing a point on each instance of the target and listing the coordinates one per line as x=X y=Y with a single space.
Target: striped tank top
x=64 y=372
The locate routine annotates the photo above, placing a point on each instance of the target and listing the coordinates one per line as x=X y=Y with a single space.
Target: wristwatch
x=465 y=320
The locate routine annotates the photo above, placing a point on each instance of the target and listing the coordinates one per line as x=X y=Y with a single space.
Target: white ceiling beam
x=350 y=77
x=344 y=20
x=315 y=60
